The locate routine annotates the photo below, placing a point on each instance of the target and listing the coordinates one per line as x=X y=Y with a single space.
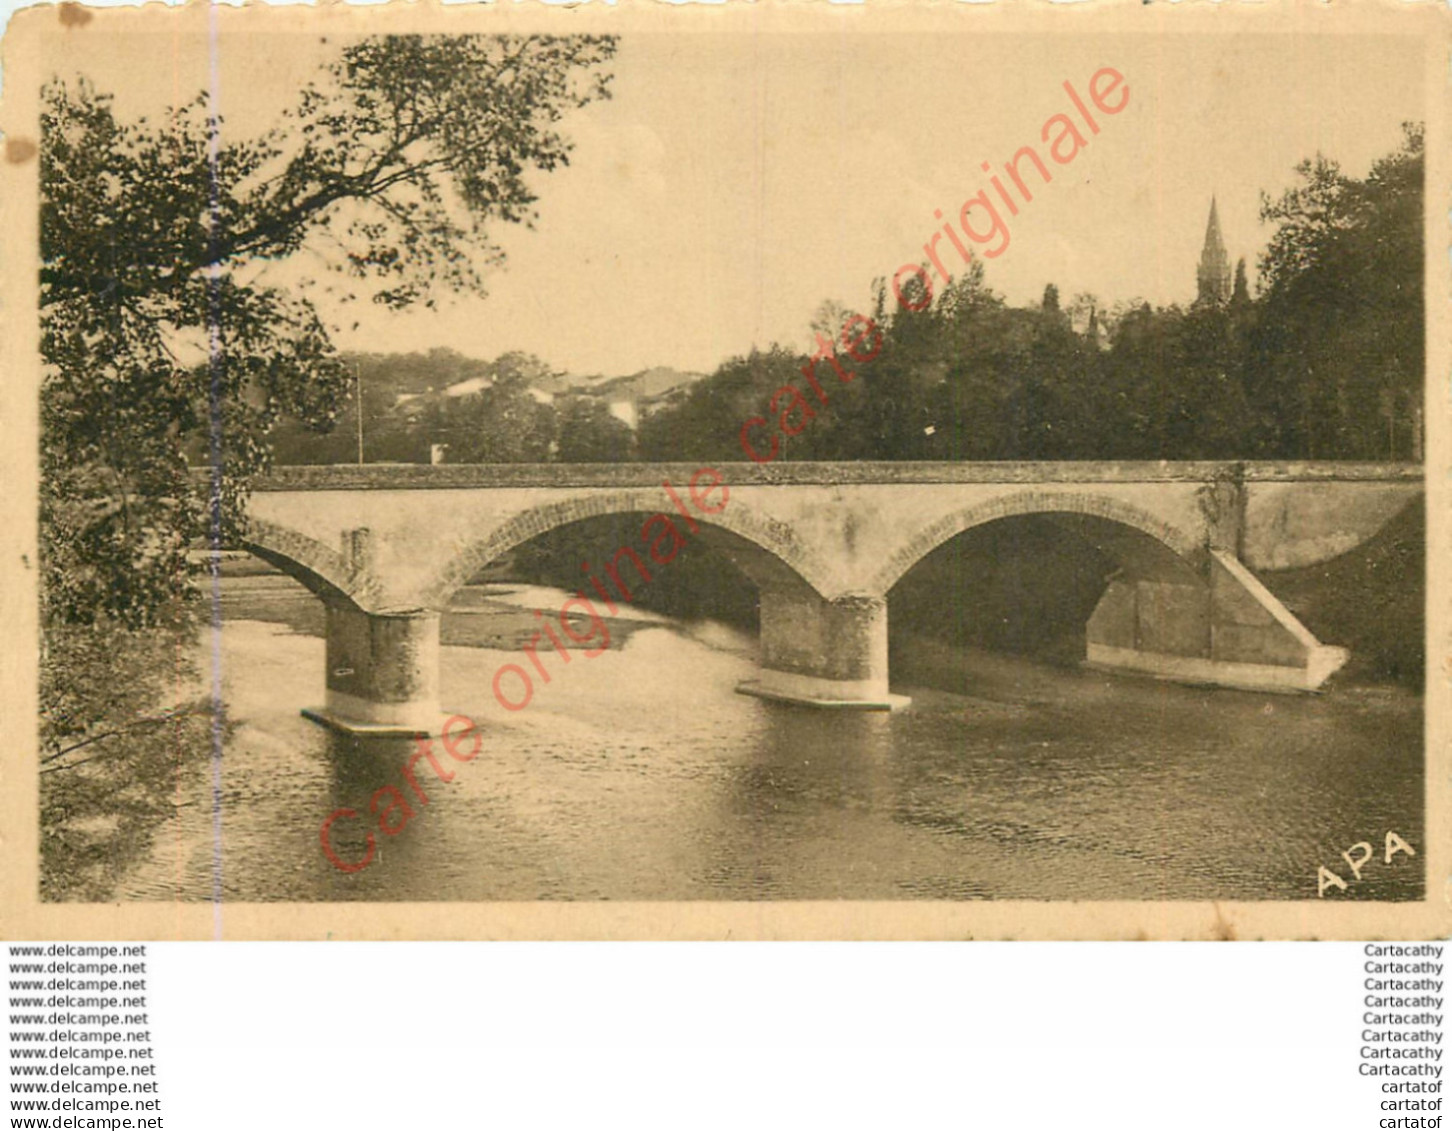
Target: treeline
x=1324 y=363
x=407 y=410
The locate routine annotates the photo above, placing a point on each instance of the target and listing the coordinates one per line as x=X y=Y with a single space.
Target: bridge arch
x=322 y=571
x=767 y=550
x=1176 y=550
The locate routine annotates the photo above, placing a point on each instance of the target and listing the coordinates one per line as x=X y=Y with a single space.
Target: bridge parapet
x=435 y=477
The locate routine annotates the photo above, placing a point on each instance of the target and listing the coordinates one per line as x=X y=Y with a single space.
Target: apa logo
x=1325 y=878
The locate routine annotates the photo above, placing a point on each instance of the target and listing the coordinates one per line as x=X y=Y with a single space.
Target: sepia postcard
x=924 y=471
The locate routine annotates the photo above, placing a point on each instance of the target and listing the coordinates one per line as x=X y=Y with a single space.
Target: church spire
x=1213 y=275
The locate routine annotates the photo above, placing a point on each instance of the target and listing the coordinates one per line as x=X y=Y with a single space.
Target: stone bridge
x=385 y=546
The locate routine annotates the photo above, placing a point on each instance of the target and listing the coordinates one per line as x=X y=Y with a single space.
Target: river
x=641 y=775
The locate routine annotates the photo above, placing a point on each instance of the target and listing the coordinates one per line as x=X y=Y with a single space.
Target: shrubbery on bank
x=125 y=719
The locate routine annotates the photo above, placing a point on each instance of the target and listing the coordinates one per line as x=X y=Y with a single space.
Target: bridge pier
x=383 y=673
x=822 y=653
x=1231 y=632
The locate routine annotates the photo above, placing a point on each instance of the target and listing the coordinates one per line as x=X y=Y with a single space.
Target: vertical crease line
x=217 y=361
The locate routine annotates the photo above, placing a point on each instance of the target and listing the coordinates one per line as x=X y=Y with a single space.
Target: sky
x=734 y=183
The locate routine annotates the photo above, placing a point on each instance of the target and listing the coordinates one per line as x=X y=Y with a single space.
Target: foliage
x=503 y=422
x=111 y=759
x=589 y=433
x=1240 y=293
x=484 y=411
x=158 y=332
x=163 y=345
x=1325 y=363
x=1340 y=337
x=705 y=424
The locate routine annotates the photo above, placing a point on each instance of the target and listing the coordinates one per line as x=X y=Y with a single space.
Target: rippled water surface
x=641 y=775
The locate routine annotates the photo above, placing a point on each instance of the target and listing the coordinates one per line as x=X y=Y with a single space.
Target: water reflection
x=641 y=775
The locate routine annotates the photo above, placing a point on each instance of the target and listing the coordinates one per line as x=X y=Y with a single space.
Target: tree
x=828 y=320
x=161 y=340
x=1340 y=336
x=156 y=329
x=509 y=420
x=390 y=388
x=706 y=424
x=589 y=433
x=1240 y=295
x=1083 y=309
